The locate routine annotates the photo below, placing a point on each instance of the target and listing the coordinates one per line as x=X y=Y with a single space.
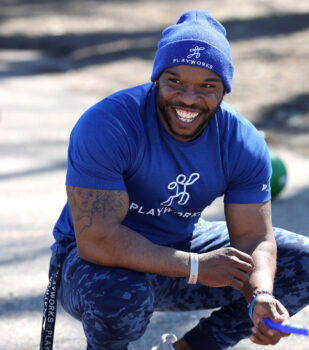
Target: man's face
x=187 y=98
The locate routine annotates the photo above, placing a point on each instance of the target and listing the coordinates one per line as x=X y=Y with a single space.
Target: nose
x=189 y=96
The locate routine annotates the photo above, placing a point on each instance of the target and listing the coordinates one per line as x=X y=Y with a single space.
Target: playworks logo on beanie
x=197 y=39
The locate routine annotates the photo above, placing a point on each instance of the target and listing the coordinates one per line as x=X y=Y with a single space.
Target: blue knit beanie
x=198 y=40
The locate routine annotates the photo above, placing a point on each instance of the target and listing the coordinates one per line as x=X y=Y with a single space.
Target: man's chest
x=182 y=180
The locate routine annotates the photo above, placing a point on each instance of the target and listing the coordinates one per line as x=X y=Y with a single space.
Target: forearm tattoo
x=86 y=203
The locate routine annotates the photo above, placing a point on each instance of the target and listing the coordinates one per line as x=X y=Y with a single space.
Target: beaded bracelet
x=253 y=297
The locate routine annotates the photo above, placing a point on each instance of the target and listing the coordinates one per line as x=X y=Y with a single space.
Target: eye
x=208 y=86
x=174 y=81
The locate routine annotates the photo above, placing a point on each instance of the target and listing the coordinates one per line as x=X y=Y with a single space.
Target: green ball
x=279 y=176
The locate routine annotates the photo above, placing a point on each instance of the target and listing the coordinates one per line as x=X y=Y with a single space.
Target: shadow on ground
x=18 y=305
x=288 y=116
x=60 y=53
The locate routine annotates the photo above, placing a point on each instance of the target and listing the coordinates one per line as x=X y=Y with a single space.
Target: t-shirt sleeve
x=248 y=165
x=100 y=149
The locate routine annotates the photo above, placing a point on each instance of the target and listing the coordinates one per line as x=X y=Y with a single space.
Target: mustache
x=194 y=106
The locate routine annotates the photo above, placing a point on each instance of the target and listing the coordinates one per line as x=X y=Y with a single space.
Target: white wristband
x=193 y=268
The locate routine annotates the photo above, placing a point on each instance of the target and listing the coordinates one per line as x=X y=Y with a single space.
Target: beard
x=206 y=115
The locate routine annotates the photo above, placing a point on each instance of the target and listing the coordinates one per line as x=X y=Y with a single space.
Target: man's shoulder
x=134 y=91
x=131 y=97
x=231 y=118
x=230 y=112
x=235 y=129
x=123 y=107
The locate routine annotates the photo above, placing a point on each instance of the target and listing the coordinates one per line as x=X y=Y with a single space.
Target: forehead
x=192 y=73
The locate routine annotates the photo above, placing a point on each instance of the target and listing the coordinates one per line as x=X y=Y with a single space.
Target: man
x=142 y=165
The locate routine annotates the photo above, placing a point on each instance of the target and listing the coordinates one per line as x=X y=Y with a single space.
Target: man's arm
x=102 y=239
x=250 y=229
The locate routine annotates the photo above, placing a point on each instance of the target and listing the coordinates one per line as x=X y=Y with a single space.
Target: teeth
x=186 y=116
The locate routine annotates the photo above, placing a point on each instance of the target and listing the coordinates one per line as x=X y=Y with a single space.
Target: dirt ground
x=59 y=57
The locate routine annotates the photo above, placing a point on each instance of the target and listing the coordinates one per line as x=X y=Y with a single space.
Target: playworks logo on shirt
x=180 y=188
x=180 y=195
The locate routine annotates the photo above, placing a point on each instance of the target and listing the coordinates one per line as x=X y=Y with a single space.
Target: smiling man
x=143 y=164
x=188 y=97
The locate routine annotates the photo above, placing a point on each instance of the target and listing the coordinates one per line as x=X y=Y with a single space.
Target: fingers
x=241 y=259
x=268 y=338
x=264 y=335
x=277 y=312
x=238 y=278
x=235 y=283
x=240 y=275
x=283 y=313
x=242 y=256
x=270 y=332
x=267 y=307
x=225 y=267
x=242 y=265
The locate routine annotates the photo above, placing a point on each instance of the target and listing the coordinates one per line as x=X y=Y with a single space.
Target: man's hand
x=225 y=267
x=266 y=306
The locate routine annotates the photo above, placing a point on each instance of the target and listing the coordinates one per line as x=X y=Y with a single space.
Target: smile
x=186 y=116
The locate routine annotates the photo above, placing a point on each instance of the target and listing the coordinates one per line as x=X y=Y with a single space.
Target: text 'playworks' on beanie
x=197 y=39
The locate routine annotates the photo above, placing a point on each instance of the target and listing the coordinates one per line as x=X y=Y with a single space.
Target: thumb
x=276 y=316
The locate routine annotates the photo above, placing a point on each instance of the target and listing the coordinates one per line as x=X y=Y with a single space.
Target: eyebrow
x=214 y=79
x=171 y=72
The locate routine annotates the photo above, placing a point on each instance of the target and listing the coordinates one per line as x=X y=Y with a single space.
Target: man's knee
x=114 y=305
x=118 y=292
x=117 y=309
x=293 y=255
x=292 y=277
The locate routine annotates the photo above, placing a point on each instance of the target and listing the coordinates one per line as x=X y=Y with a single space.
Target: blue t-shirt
x=121 y=144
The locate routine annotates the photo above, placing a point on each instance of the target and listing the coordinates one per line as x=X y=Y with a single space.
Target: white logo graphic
x=264 y=187
x=195 y=52
x=180 y=186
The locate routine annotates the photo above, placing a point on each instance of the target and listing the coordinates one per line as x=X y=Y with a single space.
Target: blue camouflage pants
x=115 y=305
